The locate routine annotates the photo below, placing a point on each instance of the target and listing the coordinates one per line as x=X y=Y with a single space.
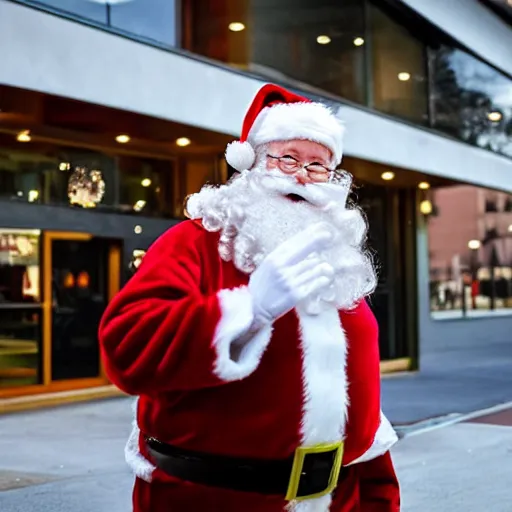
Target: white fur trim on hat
x=309 y=121
x=240 y=155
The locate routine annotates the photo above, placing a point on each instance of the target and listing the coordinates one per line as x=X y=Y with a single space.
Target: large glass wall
x=318 y=42
x=358 y=50
x=349 y=48
x=470 y=252
x=471 y=100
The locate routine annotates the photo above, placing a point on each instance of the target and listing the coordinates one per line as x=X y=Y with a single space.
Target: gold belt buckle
x=297 y=469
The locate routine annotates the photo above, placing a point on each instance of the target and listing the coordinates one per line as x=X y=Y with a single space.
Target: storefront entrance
x=54 y=287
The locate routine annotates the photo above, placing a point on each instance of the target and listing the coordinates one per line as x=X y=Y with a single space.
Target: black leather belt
x=310 y=473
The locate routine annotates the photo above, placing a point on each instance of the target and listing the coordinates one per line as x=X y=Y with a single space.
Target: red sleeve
x=163 y=331
x=379 y=490
x=363 y=375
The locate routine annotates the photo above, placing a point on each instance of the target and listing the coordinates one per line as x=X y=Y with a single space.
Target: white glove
x=289 y=274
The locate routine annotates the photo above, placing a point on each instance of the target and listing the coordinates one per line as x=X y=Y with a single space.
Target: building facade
x=112 y=112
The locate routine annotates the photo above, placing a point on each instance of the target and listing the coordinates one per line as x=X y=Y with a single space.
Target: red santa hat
x=278 y=115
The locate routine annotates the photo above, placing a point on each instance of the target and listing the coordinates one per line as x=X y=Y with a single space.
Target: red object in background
x=475 y=291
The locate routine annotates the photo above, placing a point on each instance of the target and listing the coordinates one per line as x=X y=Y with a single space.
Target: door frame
x=113 y=286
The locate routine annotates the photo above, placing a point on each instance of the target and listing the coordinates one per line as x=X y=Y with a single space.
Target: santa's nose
x=302 y=177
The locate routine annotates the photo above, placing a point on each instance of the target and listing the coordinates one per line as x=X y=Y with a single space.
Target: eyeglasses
x=290 y=165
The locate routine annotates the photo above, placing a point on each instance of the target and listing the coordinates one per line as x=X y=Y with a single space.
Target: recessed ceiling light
x=183 y=141
x=494 y=116
x=424 y=185
x=236 y=26
x=146 y=182
x=404 y=76
x=137 y=229
x=387 y=176
x=24 y=136
x=123 y=139
x=358 y=41
x=323 y=39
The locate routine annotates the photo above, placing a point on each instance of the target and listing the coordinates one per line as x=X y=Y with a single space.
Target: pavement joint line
x=425 y=426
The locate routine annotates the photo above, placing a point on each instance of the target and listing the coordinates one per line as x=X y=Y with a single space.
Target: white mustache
x=317 y=194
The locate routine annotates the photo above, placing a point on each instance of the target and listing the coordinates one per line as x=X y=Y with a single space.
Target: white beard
x=254 y=217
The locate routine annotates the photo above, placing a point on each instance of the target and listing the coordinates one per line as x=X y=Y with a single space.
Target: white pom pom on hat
x=240 y=155
x=278 y=115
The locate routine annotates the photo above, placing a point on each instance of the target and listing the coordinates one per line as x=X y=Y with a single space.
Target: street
x=71 y=459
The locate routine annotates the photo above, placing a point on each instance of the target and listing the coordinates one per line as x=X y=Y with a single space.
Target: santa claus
x=246 y=336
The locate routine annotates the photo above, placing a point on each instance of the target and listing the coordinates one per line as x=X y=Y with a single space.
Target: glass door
x=83 y=274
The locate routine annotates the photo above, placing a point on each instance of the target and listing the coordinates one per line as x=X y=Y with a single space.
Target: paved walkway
x=459 y=376
x=71 y=459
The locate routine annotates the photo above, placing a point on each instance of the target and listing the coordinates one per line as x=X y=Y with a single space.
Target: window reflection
x=398 y=69
x=89 y=9
x=470 y=253
x=20 y=313
x=88 y=179
x=471 y=100
x=20 y=347
x=19 y=266
x=146 y=186
x=153 y=19
x=318 y=42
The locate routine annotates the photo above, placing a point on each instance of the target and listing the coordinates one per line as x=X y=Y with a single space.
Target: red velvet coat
x=167 y=337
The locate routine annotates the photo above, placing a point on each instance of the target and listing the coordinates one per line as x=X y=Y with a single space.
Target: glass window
x=82 y=178
x=146 y=186
x=398 y=69
x=87 y=179
x=153 y=19
x=470 y=253
x=95 y=10
x=20 y=308
x=318 y=42
x=471 y=100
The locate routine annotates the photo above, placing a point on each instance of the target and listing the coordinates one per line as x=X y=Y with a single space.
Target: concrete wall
x=106 y=69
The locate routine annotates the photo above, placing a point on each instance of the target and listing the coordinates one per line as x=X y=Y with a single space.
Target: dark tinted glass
x=471 y=100
x=398 y=69
x=319 y=42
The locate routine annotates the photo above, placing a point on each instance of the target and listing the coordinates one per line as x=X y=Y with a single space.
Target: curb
x=425 y=426
x=46 y=400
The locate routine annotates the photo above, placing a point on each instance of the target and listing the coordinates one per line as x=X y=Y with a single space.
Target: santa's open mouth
x=296 y=198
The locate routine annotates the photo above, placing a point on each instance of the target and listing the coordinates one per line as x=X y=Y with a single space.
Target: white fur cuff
x=385 y=438
x=236 y=360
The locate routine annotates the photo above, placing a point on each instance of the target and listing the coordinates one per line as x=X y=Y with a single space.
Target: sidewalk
x=71 y=459
x=456 y=377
